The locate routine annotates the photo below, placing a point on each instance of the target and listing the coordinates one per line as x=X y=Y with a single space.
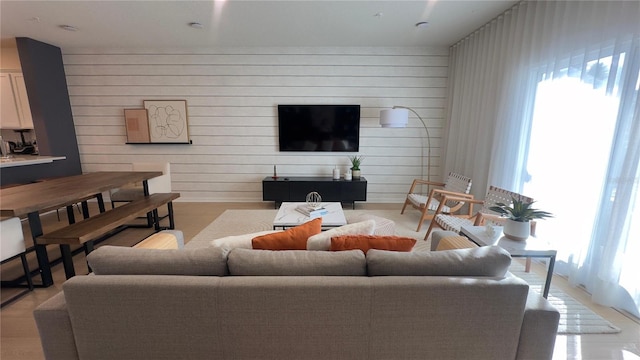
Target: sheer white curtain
x=544 y=100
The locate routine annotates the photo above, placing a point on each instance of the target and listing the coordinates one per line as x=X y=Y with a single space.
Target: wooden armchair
x=454 y=223
x=457 y=187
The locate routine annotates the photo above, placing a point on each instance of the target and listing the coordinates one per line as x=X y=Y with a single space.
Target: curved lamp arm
x=428 y=139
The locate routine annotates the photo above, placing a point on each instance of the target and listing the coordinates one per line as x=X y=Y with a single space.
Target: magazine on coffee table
x=311 y=211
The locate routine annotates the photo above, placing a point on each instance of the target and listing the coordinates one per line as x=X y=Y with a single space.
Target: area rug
x=575 y=318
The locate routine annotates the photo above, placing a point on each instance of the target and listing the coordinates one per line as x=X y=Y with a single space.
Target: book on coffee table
x=288 y=216
x=311 y=211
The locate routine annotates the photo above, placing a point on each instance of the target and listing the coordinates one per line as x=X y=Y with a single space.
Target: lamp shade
x=394 y=118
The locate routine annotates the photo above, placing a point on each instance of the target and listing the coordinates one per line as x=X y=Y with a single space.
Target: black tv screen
x=319 y=127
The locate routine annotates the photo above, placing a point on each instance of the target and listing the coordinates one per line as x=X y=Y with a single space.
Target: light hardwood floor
x=19 y=336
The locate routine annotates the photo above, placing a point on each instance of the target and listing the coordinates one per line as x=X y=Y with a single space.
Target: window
x=583 y=164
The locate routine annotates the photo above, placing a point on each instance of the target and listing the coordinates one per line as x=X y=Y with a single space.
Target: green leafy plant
x=355 y=161
x=520 y=211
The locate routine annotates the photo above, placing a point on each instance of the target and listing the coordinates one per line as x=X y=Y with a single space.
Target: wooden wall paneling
x=232 y=96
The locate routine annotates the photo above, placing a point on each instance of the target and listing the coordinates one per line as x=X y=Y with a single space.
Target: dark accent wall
x=46 y=85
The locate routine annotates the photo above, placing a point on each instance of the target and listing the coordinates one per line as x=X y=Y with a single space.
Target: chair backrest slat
x=498 y=195
x=458 y=183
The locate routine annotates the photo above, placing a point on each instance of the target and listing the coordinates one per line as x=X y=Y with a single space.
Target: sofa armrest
x=539 y=328
x=54 y=326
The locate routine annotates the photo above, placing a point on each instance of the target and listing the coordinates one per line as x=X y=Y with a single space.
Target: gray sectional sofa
x=216 y=303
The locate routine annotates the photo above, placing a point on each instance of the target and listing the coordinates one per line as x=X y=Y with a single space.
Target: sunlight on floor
x=626 y=355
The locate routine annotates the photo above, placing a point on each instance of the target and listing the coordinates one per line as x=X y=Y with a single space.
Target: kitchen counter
x=23 y=160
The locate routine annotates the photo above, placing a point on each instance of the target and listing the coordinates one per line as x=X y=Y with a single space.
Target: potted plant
x=355 y=165
x=519 y=216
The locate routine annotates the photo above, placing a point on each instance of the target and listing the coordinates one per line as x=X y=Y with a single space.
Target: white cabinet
x=14 y=102
x=9 y=118
x=24 y=111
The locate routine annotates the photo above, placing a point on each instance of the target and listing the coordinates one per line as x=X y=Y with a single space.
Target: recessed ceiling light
x=69 y=27
x=196 y=25
x=422 y=24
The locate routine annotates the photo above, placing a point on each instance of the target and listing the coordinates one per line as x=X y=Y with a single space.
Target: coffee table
x=531 y=248
x=288 y=216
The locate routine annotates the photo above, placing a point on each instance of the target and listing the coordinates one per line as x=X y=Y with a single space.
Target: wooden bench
x=85 y=232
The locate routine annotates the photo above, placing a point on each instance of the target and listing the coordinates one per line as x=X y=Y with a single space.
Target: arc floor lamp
x=398 y=117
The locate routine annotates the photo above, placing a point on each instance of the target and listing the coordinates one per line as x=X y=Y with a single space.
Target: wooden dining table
x=33 y=199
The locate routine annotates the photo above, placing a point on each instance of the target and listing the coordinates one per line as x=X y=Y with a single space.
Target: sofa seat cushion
x=322 y=241
x=296 y=263
x=294 y=238
x=120 y=260
x=367 y=242
x=490 y=261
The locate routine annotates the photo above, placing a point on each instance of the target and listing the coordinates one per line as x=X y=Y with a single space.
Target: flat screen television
x=319 y=128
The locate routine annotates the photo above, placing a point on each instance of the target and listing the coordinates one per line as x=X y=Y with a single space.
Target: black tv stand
x=296 y=188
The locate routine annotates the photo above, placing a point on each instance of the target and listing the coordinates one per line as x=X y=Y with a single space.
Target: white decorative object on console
x=347 y=175
x=313 y=199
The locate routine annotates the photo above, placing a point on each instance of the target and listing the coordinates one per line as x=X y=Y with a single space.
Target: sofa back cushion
x=490 y=261
x=120 y=260
x=296 y=263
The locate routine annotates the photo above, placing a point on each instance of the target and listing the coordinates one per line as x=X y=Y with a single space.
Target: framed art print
x=167 y=121
x=137 y=126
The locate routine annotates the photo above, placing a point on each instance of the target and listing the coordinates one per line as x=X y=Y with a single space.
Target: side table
x=530 y=248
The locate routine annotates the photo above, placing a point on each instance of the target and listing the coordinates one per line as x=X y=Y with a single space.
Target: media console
x=296 y=189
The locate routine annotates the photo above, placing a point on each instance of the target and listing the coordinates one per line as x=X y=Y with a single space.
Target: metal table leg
x=67 y=261
x=547 y=284
x=172 y=223
x=41 y=250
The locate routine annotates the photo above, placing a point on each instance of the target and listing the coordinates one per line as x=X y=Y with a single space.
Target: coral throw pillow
x=290 y=239
x=366 y=242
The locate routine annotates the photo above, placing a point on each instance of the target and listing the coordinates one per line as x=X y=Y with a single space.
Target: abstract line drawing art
x=167 y=121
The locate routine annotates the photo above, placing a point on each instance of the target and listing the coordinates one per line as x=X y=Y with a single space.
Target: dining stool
x=11 y=247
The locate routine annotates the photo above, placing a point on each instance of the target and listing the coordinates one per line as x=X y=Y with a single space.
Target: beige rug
x=575 y=318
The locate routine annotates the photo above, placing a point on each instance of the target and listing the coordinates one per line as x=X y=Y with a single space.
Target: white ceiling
x=241 y=23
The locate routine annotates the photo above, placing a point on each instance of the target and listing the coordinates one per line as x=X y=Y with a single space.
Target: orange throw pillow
x=290 y=239
x=366 y=242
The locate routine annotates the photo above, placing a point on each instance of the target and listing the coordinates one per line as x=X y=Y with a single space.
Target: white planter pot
x=356 y=174
x=516 y=230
